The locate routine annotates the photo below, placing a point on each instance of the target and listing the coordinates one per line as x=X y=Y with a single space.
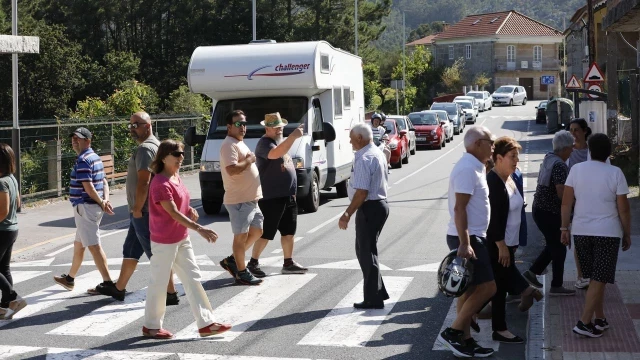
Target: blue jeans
x=138 y=240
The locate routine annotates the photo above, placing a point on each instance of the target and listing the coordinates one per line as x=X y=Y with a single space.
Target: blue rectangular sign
x=548 y=80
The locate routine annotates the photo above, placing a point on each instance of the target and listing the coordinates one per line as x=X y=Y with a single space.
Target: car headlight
x=298 y=163
x=393 y=145
x=210 y=166
x=433 y=132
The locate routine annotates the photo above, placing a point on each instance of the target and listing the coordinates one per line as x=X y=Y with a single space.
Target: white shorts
x=88 y=218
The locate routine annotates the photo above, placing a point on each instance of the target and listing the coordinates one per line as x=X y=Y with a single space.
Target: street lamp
x=356 y=22
x=253 y=10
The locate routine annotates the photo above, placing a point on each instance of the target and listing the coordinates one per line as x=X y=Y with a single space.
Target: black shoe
x=452 y=340
x=369 y=305
x=532 y=279
x=110 y=289
x=246 y=278
x=479 y=351
x=601 y=324
x=256 y=271
x=172 y=299
x=475 y=326
x=503 y=339
x=230 y=265
x=587 y=330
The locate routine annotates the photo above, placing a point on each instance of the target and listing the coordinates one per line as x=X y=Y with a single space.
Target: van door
x=318 y=147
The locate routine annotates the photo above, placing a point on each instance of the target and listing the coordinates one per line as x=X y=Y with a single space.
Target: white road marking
x=325 y=223
x=433 y=267
x=35 y=263
x=251 y=305
x=46 y=298
x=70 y=246
x=345 y=265
x=230 y=357
x=483 y=337
x=64 y=354
x=295 y=240
x=12 y=352
x=346 y=326
x=20 y=276
x=204 y=260
x=107 y=319
x=113 y=233
x=110 y=262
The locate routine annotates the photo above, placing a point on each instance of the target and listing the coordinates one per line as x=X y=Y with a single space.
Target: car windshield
x=543 y=104
x=475 y=95
x=389 y=124
x=423 y=119
x=465 y=104
x=450 y=109
x=504 y=89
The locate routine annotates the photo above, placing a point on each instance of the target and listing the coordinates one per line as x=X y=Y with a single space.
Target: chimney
x=445 y=26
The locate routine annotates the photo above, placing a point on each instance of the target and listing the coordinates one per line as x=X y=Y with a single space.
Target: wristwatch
x=564 y=229
x=346 y=214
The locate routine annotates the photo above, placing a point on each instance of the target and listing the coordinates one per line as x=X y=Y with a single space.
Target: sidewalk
x=622 y=307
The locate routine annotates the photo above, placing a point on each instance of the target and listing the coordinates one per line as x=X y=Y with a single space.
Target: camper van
x=310 y=83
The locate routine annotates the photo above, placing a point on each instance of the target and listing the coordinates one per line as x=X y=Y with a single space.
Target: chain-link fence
x=47 y=156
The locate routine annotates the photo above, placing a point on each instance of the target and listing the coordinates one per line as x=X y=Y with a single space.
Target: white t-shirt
x=469 y=177
x=596 y=186
x=516 y=202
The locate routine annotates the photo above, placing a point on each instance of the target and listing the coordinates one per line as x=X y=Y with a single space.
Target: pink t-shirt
x=164 y=229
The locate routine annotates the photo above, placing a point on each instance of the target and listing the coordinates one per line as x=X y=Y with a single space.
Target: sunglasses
x=489 y=140
x=134 y=125
x=240 y=124
x=177 y=153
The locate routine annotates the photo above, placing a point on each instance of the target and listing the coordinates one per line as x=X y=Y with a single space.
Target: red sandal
x=161 y=334
x=214 y=329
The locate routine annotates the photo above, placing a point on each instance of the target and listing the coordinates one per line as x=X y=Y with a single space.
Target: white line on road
x=346 y=326
x=114 y=232
x=61 y=250
x=20 y=276
x=325 y=223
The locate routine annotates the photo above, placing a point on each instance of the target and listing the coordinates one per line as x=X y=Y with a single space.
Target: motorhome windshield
x=293 y=109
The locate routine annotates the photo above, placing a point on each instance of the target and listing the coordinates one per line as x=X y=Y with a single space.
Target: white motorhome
x=309 y=83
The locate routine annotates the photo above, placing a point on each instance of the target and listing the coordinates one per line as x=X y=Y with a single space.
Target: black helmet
x=376 y=116
x=454 y=274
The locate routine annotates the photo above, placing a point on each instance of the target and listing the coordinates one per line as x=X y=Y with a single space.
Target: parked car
x=405 y=123
x=456 y=115
x=474 y=103
x=541 y=112
x=429 y=128
x=470 y=113
x=448 y=126
x=510 y=95
x=483 y=98
x=398 y=143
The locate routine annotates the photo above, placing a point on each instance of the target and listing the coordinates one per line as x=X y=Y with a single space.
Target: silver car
x=510 y=95
x=483 y=98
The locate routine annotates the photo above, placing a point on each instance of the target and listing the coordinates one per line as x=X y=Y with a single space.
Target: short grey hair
x=562 y=140
x=363 y=130
x=474 y=134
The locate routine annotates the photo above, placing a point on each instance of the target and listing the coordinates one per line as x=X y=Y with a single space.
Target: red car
x=429 y=128
x=398 y=143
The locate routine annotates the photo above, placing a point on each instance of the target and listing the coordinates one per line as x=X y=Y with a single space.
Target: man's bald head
x=141 y=116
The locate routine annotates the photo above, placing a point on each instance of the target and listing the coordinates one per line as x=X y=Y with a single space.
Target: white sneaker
x=582 y=283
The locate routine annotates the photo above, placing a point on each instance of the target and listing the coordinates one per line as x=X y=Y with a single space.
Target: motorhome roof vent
x=262 y=41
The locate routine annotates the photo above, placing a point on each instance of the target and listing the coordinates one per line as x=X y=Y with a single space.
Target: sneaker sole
x=455 y=352
x=286 y=272
x=535 y=285
x=602 y=328
x=483 y=355
x=70 y=288
x=240 y=282
x=585 y=333
x=561 y=294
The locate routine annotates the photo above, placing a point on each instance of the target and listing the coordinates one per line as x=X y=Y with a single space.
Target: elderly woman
x=601 y=217
x=546 y=214
x=503 y=237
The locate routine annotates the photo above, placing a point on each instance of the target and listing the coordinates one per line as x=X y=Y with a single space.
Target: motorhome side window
x=347 y=97
x=317 y=116
x=324 y=63
x=337 y=101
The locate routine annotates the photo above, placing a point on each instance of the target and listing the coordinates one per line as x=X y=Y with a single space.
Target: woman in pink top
x=170 y=217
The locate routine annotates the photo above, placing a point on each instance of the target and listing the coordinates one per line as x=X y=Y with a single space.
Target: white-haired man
x=368 y=194
x=469 y=209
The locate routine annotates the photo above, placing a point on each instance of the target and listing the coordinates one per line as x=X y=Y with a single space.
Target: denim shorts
x=138 y=240
x=244 y=215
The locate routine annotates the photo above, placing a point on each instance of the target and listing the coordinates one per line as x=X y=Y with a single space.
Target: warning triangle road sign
x=594 y=74
x=574 y=83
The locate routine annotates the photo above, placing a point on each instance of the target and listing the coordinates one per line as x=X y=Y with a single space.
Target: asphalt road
x=296 y=316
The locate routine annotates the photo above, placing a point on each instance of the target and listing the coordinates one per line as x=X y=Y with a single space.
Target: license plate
x=421 y=139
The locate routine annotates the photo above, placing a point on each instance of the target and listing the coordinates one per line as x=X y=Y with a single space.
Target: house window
x=511 y=53
x=337 y=101
x=450 y=52
x=537 y=53
x=467 y=51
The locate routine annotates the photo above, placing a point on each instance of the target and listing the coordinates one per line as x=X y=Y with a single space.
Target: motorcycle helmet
x=454 y=275
x=376 y=116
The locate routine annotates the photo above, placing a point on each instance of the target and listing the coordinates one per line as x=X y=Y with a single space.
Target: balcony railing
x=528 y=64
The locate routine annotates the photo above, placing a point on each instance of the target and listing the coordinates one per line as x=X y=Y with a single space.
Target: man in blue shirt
x=89 y=195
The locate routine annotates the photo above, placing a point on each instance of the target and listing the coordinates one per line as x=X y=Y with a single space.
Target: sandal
x=214 y=329
x=161 y=334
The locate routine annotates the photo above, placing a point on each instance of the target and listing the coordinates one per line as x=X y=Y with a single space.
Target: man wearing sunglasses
x=138 y=240
x=242 y=191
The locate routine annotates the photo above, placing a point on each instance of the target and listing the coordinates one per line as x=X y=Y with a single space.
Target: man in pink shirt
x=242 y=192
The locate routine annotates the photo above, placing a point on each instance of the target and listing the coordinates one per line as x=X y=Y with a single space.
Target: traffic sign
x=594 y=87
x=573 y=83
x=547 y=80
x=594 y=74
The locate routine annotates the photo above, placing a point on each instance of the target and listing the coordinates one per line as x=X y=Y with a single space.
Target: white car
x=468 y=109
x=510 y=95
x=473 y=101
x=448 y=127
x=483 y=98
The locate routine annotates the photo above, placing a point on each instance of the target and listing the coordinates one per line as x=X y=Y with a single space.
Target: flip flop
x=162 y=334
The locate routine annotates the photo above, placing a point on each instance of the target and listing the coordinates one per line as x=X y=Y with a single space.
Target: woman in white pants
x=170 y=217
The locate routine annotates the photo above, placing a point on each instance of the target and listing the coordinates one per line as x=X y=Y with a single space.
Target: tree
x=372 y=86
x=183 y=101
x=452 y=76
x=421 y=78
x=482 y=80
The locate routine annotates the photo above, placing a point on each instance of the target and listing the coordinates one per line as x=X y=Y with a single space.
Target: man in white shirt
x=469 y=209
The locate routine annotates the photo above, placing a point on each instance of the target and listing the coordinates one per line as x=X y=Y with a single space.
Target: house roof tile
x=427 y=40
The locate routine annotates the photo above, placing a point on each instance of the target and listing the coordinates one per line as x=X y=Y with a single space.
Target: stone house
x=509 y=47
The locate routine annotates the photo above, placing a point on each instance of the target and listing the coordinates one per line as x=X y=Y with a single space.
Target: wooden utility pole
x=591 y=32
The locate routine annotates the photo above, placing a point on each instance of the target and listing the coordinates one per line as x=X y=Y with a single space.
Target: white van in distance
x=309 y=83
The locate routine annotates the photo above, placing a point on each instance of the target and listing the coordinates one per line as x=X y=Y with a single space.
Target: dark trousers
x=370 y=219
x=7 y=239
x=508 y=280
x=554 y=252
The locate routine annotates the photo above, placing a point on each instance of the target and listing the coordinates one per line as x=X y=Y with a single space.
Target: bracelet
x=564 y=229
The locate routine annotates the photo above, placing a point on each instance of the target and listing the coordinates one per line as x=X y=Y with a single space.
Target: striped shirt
x=370 y=172
x=88 y=167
